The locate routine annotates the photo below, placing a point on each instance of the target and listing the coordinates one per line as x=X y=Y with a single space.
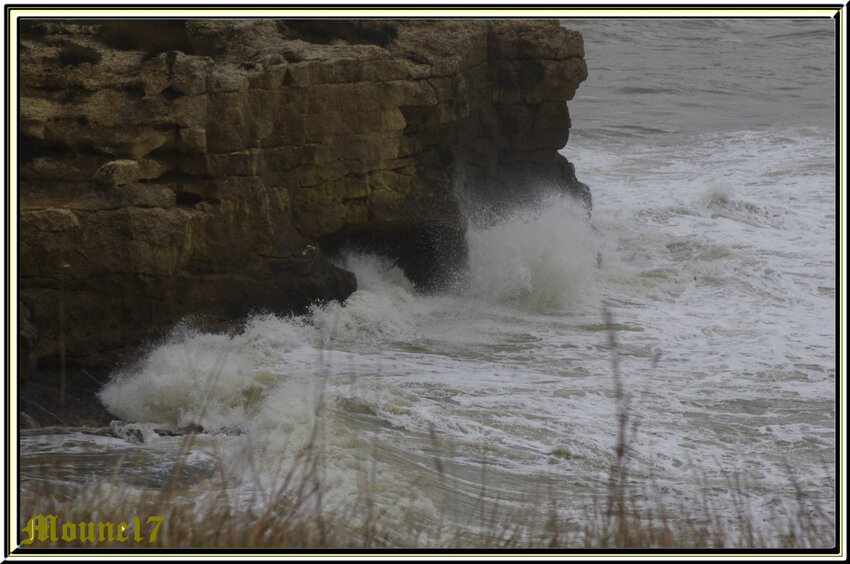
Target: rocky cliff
x=211 y=168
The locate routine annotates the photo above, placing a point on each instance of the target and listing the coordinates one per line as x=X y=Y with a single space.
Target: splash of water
x=545 y=255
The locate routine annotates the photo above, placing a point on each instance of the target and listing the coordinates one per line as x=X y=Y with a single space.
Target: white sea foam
x=544 y=255
x=511 y=371
x=717 y=252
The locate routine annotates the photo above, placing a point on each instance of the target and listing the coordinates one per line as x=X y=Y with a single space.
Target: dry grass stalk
x=293 y=514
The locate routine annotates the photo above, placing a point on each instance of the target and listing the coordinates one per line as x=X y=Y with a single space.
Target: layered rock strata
x=211 y=168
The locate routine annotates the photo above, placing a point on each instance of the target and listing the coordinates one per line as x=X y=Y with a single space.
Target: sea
x=697 y=304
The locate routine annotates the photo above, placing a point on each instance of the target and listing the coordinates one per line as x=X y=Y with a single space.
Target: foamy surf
x=717 y=238
x=544 y=255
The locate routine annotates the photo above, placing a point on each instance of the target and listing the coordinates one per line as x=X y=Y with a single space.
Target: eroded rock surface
x=209 y=168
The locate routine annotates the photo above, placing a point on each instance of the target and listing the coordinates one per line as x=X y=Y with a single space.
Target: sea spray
x=716 y=222
x=215 y=380
x=348 y=374
x=543 y=255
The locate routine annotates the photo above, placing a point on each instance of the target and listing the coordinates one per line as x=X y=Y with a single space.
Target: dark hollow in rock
x=33 y=148
x=73 y=55
x=171 y=93
x=429 y=257
x=146 y=35
x=362 y=32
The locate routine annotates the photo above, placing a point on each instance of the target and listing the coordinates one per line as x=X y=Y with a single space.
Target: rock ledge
x=210 y=168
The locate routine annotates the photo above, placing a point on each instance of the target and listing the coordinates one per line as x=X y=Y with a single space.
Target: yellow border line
x=423 y=12
x=12 y=214
x=12 y=218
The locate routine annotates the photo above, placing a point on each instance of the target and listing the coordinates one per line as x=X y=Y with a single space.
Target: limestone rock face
x=210 y=168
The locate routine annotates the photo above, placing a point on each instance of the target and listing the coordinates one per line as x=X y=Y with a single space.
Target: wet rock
x=174 y=168
x=140 y=433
